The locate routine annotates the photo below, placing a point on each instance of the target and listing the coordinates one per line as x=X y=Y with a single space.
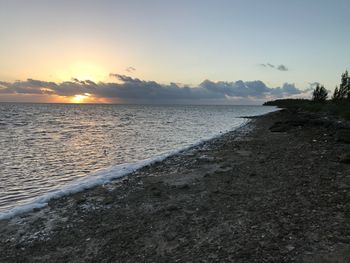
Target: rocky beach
x=276 y=190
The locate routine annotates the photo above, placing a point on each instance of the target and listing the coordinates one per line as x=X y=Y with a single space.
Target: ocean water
x=45 y=148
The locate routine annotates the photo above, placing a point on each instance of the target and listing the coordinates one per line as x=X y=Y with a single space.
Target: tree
x=347 y=88
x=320 y=94
x=344 y=88
x=335 y=96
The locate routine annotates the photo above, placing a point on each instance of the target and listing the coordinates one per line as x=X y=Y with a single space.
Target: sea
x=50 y=150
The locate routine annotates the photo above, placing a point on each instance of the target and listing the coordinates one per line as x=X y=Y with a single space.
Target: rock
x=298 y=122
x=290 y=247
x=172 y=208
x=344 y=158
x=244 y=153
x=287 y=125
x=280 y=127
x=205 y=159
x=108 y=200
x=343 y=136
x=215 y=191
x=170 y=235
x=183 y=186
x=321 y=122
x=313 y=236
x=156 y=193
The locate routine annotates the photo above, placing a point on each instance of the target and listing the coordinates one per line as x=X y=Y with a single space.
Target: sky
x=190 y=51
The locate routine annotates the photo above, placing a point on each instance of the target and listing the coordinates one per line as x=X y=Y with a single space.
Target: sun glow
x=83 y=71
x=80 y=98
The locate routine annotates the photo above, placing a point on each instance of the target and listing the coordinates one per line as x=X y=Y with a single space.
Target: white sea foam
x=101 y=177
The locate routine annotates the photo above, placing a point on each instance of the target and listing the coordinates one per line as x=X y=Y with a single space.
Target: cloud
x=134 y=90
x=287 y=89
x=314 y=84
x=279 y=67
x=282 y=68
x=130 y=69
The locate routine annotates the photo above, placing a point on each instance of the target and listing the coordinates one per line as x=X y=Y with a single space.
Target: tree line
x=341 y=93
x=338 y=104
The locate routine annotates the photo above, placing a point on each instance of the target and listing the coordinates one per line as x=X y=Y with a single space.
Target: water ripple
x=43 y=147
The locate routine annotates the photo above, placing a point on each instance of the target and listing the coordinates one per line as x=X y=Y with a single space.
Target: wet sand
x=277 y=190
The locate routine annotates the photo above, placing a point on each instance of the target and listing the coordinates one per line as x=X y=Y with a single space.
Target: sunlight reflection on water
x=45 y=146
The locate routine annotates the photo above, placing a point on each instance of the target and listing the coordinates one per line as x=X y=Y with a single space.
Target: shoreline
x=108 y=175
x=277 y=192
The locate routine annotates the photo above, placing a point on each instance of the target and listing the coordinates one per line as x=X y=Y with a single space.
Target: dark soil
x=279 y=192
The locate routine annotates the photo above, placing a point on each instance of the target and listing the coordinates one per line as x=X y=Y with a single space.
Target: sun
x=80 y=98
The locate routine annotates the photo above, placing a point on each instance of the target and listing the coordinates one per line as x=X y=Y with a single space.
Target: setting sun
x=80 y=98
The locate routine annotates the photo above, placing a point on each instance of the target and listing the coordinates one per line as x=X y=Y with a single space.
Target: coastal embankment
x=276 y=190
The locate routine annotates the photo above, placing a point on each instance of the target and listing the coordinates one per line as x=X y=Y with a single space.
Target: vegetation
x=320 y=94
x=344 y=89
x=338 y=105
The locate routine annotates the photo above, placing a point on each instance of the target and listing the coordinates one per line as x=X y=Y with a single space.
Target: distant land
x=338 y=105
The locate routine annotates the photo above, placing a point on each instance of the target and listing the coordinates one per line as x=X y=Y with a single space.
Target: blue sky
x=179 y=41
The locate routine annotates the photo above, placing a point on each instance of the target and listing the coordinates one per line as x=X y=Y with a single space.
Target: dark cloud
x=279 y=67
x=132 y=90
x=124 y=78
x=282 y=68
x=130 y=69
